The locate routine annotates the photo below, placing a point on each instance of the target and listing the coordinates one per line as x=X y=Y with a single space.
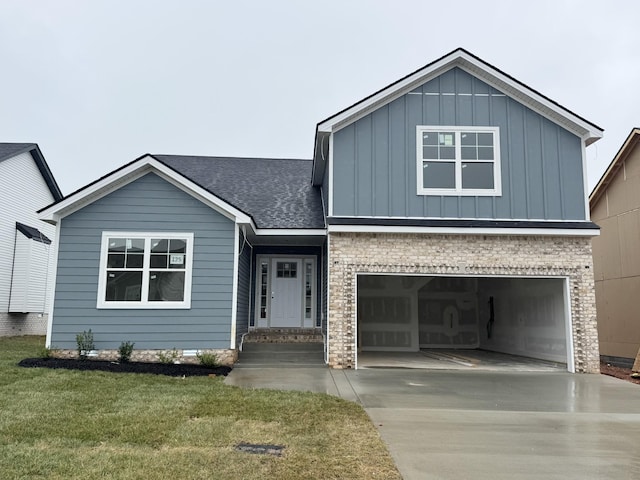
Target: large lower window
x=458 y=161
x=145 y=270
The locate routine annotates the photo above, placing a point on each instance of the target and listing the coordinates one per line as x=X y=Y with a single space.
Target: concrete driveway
x=486 y=425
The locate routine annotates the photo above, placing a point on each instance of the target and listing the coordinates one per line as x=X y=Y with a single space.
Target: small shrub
x=207 y=359
x=85 y=343
x=46 y=352
x=169 y=357
x=124 y=351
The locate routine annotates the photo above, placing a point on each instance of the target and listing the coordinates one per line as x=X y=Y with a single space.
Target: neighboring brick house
x=26 y=259
x=447 y=210
x=615 y=205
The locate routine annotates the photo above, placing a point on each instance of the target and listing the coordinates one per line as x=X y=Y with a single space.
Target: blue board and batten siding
x=145 y=205
x=374 y=158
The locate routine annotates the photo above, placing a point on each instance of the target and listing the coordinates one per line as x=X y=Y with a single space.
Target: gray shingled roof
x=8 y=150
x=276 y=193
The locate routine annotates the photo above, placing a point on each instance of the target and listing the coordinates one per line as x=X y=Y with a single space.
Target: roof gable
x=266 y=193
x=473 y=65
x=614 y=167
x=10 y=150
x=127 y=174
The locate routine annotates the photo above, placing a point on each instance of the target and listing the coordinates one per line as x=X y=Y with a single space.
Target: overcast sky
x=99 y=83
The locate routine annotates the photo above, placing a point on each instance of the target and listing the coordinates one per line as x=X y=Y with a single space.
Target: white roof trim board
x=130 y=173
x=475 y=66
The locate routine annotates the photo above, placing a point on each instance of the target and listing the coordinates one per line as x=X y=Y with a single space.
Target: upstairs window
x=145 y=270
x=458 y=160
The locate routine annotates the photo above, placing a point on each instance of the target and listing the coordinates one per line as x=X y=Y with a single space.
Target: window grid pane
x=134 y=263
x=459 y=160
x=166 y=280
x=264 y=276
x=166 y=286
x=308 y=293
x=477 y=175
x=123 y=286
x=439 y=174
x=287 y=270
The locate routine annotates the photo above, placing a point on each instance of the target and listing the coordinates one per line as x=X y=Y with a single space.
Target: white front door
x=286 y=292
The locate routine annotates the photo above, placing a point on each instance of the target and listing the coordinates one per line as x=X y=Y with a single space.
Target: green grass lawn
x=59 y=424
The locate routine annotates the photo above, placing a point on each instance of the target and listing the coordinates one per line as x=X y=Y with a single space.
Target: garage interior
x=462 y=322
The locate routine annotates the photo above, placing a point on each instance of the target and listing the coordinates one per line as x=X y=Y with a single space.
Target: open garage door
x=520 y=316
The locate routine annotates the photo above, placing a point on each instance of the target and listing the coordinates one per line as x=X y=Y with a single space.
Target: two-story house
x=447 y=210
x=615 y=205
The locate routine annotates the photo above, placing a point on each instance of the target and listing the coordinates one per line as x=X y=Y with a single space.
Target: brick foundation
x=225 y=356
x=14 y=324
x=460 y=255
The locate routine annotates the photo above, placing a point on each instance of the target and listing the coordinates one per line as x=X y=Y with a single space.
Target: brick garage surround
x=460 y=255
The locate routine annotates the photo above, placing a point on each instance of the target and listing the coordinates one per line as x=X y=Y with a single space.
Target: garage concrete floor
x=483 y=424
x=456 y=359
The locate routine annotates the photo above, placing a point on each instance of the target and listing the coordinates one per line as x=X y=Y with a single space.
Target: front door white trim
x=266 y=289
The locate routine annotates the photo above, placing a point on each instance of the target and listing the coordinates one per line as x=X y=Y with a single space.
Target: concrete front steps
x=282 y=347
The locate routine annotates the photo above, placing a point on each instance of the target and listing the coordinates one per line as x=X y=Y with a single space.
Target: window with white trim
x=145 y=270
x=458 y=161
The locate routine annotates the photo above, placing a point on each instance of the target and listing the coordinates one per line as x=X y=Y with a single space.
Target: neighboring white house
x=26 y=257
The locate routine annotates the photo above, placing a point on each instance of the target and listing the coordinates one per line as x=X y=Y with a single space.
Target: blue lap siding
x=244 y=288
x=146 y=205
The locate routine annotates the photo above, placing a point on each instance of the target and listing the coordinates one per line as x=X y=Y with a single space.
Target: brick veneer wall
x=460 y=255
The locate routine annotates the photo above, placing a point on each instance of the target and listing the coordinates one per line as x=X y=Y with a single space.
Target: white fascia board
x=385 y=96
x=530 y=98
x=131 y=173
x=471 y=65
x=547 y=232
x=294 y=232
x=52 y=299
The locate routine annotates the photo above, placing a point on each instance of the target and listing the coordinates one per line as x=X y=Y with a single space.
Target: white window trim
x=185 y=304
x=458 y=190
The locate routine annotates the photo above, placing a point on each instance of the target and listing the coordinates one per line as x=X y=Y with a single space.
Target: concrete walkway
x=484 y=424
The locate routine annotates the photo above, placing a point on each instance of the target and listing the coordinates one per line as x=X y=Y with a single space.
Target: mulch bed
x=170 y=369
x=618 y=372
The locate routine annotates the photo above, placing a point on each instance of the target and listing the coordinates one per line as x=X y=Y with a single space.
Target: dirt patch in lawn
x=619 y=372
x=169 y=369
